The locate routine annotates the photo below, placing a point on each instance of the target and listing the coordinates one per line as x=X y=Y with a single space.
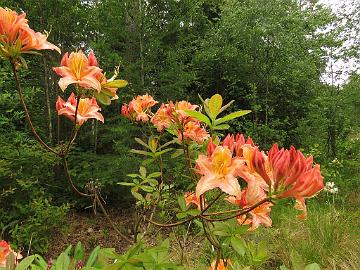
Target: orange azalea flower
x=87 y=109
x=162 y=119
x=190 y=198
x=17 y=37
x=180 y=113
x=139 y=108
x=108 y=86
x=251 y=195
x=222 y=265
x=292 y=175
x=193 y=131
x=219 y=171
x=80 y=70
x=4 y=252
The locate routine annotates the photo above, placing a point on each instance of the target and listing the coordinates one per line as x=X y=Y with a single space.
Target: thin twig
x=27 y=114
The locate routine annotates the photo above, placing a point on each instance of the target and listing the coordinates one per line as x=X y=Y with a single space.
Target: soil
x=91 y=230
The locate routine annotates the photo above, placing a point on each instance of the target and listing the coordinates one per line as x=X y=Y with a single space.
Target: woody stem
x=27 y=114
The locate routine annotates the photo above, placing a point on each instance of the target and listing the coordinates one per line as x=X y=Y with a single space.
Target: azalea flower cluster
x=169 y=116
x=280 y=174
x=84 y=73
x=5 y=252
x=16 y=36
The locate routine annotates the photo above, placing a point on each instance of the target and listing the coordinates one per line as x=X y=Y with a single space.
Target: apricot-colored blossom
x=190 y=198
x=179 y=115
x=162 y=119
x=87 y=109
x=194 y=132
x=108 y=86
x=4 y=252
x=251 y=195
x=218 y=171
x=139 y=108
x=17 y=37
x=78 y=69
x=222 y=265
x=290 y=175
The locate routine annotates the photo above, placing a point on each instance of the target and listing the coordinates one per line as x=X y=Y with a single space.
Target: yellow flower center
x=77 y=62
x=221 y=161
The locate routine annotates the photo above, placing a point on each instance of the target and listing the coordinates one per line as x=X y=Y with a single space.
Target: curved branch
x=27 y=115
x=239 y=212
x=73 y=187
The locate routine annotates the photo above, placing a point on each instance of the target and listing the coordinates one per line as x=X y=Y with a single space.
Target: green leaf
x=199 y=116
x=231 y=116
x=222 y=127
x=138 y=140
x=177 y=153
x=116 y=84
x=137 y=196
x=126 y=184
x=92 y=257
x=142 y=171
x=239 y=245
x=215 y=104
x=226 y=106
x=25 y=263
x=140 y=152
x=182 y=203
x=102 y=98
x=62 y=262
x=79 y=252
x=313 y=266
x=193 y=212
x=181 y=215
x=41 y=262
x=147 y=188
x=154 y=175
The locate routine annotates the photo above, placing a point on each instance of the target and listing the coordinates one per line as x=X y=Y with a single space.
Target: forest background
x=269 y=56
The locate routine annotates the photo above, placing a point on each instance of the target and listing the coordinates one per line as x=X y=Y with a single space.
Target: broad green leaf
x=102 y=98
x=25 y=263
x=138 y=140
x=147 y=188
x=182 y=203
x=62 y=262
x=199 y=116
x=154 y=174
x=193 y=212
x=41 y=262
x=239 y=245
x=142 y=171
x=231 y=116
x=313 y=266
x=126 y=184
x=215 y=104
x=92 y=258
x=137 y=195
x=116 y=84
x=177 y=153
x=222 y=127
x=140 y=152
x=226 y=106
x=163 y=152
x=181 y=215
x=79 y=252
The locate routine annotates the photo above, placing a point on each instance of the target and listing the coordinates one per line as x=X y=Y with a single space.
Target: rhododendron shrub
x=223 y=171
x=236 y=169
